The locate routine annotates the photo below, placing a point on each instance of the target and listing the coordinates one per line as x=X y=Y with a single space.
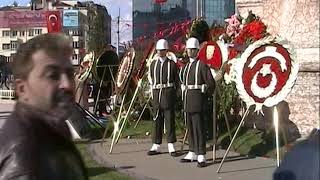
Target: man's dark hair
x=54 y=44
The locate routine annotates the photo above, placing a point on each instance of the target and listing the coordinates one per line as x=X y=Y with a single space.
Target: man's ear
x=20 y=88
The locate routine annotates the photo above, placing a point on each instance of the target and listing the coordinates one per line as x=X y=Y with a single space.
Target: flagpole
x=197 y=8
x=118 y=35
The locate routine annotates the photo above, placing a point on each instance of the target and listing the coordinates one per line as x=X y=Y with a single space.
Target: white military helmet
x=192 y=43
x=162 y=44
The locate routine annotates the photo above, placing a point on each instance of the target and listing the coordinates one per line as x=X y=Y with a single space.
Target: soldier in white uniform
x=196 y=83
x=163 y=80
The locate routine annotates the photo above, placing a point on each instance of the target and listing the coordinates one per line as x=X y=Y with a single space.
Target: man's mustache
x=63 y=96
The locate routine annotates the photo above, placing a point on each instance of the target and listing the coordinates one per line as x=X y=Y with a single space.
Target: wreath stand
x=122 y=119
x=276 y=127
x=76 y=125
x=122 y=84
x=105 y=67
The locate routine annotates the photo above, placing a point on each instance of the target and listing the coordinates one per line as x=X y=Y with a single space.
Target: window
x=5 y=33
x=5 y=46
x=37 y=31
x=14 y=33
x=14 y=45
x=74 y=32
x=75 y=44
x=21 y=33
x=31 y=32
x=8 y=59
x=75 y=57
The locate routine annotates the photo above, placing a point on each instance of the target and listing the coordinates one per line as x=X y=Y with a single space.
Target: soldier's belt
x=162 y=86
x=202 y=87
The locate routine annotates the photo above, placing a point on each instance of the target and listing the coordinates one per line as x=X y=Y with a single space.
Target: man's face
x=50 y=84
x=162 y=53
x=192 y=53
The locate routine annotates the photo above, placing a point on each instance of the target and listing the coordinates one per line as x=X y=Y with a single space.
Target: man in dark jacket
x=35 y=140
x=303 y=161
x=197 y=81
x=163 y=79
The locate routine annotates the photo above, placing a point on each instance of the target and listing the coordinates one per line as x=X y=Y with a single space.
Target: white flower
x=231 y=75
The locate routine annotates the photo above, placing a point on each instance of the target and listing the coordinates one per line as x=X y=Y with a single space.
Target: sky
x=113 y=9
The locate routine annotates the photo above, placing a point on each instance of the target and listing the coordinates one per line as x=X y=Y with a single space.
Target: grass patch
x=96 y=171
x=143 y=130
x=252 y=142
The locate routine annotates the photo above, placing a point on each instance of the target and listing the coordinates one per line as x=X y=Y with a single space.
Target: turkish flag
x=54 y=21
x=160 y=1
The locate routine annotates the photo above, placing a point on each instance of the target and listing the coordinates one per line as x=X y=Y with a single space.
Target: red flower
x=241 y=38
x=227 y=68
x=251 y=32
x=256 y=29
x=232 y=53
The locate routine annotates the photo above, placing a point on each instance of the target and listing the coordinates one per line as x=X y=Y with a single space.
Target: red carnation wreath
x=214 y=54
x=266 y=72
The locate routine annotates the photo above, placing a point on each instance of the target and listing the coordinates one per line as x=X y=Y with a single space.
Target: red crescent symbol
x=268 y=73
x=53 y=17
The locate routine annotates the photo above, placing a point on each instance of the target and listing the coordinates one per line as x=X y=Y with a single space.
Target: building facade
x=150 y=17
x=147 y=14
x=213 y=11
x=19 y=24
x=216 y=11
x=298 y=22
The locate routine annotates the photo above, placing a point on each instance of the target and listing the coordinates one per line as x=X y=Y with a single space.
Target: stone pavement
x=6 y=106
x=129 y=156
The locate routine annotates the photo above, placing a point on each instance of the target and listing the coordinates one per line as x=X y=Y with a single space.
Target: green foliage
x=199 y=29
x=97 y=35
x=180 y=124
x=15 y=4
x=251 y=17
x=227 y=96
x=96 y=171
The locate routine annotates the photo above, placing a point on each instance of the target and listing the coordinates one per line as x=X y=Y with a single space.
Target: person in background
x=163 y=81
x=35 y=140
x=82 y=79
x=196 y=81
x=303 y=161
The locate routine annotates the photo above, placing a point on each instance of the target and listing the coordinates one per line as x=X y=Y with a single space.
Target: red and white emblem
x=53 y=21
x=214 y=54
x=266 y=73
x=124 y=71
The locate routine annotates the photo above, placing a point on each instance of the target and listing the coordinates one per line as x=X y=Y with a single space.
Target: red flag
x=54 y=21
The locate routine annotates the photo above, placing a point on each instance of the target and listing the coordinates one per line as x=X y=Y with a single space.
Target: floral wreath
x=214 y=54
x=271 y=83
x=124 y=71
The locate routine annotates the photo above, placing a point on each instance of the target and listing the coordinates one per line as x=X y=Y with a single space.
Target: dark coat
x=195 y=100
x=168 y=95
x=34 y=148
x=302 y=162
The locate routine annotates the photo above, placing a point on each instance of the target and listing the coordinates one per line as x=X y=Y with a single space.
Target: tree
x=15 y=4
x=97 y=35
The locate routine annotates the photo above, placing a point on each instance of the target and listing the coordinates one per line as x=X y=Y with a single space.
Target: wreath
x=266 y=72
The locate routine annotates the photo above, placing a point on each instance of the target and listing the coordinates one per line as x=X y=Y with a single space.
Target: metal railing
x=7 y=94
